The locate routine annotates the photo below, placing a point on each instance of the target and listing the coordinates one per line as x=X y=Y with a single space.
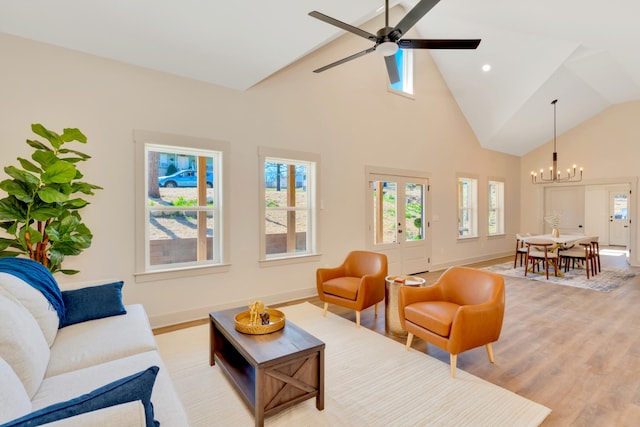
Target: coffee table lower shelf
x=273 y=371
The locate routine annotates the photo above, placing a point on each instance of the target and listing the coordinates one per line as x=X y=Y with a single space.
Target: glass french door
x=398 y=222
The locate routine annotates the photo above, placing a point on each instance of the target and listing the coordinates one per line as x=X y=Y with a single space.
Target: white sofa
x=41 y=365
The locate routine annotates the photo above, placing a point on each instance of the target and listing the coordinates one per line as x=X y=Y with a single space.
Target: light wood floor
x=575 y=351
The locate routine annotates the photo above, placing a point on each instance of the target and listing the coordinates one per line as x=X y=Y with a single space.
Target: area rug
x=370 y=380
x=605 y=281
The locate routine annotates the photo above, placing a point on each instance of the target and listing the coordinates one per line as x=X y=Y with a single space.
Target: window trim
x=501 y=208
x=141 y=139
x=313 y=188
x=474 y=209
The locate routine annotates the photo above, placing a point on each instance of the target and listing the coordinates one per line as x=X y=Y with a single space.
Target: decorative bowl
x=243 y=322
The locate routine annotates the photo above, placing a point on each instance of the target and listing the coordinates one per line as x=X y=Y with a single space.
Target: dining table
x=562 y=239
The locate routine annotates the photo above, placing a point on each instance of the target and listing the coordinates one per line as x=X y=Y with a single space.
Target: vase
x=555 y=232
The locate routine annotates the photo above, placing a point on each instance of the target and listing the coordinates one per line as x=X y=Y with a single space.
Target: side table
x=391 y=316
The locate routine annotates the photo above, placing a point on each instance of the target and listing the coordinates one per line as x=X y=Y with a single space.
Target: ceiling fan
x=388 y=40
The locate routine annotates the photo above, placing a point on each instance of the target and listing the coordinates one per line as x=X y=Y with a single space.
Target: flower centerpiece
x=554 y=221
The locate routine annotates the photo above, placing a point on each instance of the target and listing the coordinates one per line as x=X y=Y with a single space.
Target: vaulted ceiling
x=582 y=52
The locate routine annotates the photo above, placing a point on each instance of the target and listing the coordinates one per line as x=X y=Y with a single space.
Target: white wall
x=607 y=146
x=345 y=114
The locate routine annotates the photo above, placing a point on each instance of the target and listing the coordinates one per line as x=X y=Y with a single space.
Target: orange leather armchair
x=358 y=283
x=464 y=309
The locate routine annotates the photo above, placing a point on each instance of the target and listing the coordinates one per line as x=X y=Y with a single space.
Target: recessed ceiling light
x=486 y=67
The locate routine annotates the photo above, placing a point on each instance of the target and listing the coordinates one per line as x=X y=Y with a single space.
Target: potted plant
x=40 y=211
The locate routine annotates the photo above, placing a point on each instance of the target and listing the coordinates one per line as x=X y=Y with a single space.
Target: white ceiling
x=582 y=52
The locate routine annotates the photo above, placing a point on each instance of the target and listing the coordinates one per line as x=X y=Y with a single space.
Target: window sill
x=467 y=238
x=178 y=273
x=295 y=259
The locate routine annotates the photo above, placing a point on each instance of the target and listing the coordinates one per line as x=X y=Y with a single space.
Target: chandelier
x=554 y=174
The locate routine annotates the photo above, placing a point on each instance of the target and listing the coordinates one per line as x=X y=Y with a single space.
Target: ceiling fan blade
x=438 y=44
x=392 y=68
x=412 y=17
x=355 y=30
x=343 y=60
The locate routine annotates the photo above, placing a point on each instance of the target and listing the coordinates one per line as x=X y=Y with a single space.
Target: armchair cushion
x=345 y=287
x=436 y=316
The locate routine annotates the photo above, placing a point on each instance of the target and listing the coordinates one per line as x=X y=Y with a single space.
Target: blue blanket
x=38 y=276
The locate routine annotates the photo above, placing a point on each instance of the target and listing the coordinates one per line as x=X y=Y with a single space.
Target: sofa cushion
x=130 y=414
x=167 y=406
x=22 y=344
x=94 y=302
x=101 y=340
x=34 y=301
x=14 y=401
x=138 y=386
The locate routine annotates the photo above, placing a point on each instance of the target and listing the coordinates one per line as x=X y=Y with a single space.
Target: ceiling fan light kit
x=389 y=39
x=554 y=173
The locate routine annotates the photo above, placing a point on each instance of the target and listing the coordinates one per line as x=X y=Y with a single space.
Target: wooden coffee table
x=271 y=371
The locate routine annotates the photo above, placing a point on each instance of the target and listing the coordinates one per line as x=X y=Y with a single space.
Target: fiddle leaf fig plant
x=40 y=212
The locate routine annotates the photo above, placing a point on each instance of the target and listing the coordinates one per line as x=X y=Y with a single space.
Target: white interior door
x=397 y=221
x=618 y=219
x=569 y=203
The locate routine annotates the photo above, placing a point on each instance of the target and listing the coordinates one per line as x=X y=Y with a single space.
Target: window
x=496 y=208
x=288 y=189
x=404 y=60
x=180 y=215
x=467 y=207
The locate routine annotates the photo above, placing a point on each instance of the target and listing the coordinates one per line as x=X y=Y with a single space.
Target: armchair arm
x=476 y=325
x=325 y=274
x=371 y=288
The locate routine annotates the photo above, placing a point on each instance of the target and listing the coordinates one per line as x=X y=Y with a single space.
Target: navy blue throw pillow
x=134 y=387
x=93 y=302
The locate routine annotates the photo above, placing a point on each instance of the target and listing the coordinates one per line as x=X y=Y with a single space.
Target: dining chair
x=541 y=251
x=581 y=251
x=596 y=251
x=521 y=250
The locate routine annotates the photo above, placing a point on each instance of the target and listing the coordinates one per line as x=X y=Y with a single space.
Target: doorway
x=618 y=219
x=398 y=221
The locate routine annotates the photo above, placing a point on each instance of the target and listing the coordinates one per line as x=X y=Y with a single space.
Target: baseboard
x=466 y=261
x=170 y=319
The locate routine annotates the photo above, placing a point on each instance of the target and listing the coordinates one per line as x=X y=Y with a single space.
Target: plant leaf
x=15 y=189
x=73 y=134
x=44 y=157
x=69 y=272
x=21 y=175
x=51 y=195
x=38 y=145
x=35 y=236
x=10 y=210
x=50 y=135
x=60 y=172
x=44 y=213
x=76 y=203
x=27 y=165
x=77 y=153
